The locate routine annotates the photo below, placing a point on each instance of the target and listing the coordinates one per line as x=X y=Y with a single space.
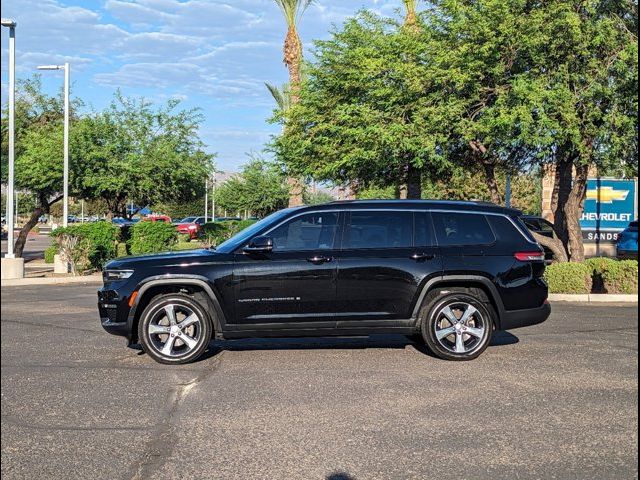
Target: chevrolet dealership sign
x=608 y=208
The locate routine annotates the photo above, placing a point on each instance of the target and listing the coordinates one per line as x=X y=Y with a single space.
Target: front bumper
x=525 y=318
x=113 y=310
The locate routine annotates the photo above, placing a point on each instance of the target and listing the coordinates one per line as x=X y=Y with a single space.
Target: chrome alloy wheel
x=175 y=330
x=460 y=327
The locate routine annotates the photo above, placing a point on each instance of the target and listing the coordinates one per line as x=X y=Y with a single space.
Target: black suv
x=452 y=272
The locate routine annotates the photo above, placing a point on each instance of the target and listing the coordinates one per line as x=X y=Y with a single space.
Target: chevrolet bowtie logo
x=607 y=195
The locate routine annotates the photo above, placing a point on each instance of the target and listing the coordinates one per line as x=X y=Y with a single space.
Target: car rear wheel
x=457 y=326
x=174 y=329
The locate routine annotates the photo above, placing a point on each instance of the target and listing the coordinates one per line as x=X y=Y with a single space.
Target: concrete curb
x=52 y=280
x=593 y=298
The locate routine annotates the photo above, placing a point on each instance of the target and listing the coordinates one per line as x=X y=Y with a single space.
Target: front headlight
x=114 y=275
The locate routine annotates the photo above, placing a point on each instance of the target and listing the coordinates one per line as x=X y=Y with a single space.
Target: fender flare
x=437 y=282
x=218 y=319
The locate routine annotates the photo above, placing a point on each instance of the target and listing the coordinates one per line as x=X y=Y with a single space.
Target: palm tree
x=411 y=18
x=410 y=186
x=292 y=10
x=282 y=96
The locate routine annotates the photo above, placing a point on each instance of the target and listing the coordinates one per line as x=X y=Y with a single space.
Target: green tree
x=136 y=152
x=39 y=148
x=317 y=197
x=583 y=78
x=292 y=10
x=363 y=112
x=260 y=189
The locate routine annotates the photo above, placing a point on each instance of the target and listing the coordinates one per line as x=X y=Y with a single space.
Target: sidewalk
x=594 y=298
x=95 y=278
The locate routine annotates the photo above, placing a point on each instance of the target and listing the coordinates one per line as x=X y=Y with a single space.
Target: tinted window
x=314 y=231
x=546 y=226
x=532 y=224
x=462 y=229
x=422 y=230
x=505 y=230
x=379 y=230
x=188 y=220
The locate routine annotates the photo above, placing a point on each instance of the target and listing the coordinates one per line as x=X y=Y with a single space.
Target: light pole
x=213 y=199
x=206 y=199
x=65 y=175
x=11 y=24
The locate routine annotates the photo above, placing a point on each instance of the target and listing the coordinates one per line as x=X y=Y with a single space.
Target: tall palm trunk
x=410 y=177
x=292 y=9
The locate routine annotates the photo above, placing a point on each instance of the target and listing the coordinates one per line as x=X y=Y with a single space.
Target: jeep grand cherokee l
x=452 y=272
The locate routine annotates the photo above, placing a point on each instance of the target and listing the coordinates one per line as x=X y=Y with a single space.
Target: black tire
x=156 y=317
x=481 y=323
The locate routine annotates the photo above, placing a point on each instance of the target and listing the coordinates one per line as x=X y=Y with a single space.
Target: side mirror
x=260 y=245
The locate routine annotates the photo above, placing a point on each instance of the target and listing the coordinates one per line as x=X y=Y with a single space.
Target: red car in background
x=157 y=218
x=191 y=226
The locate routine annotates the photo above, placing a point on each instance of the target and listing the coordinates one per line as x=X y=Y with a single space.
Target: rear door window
x=379 y=229
x=454 y=228
x=313 y=231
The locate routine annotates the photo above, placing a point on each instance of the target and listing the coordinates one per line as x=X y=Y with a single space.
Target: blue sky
x=213 y=54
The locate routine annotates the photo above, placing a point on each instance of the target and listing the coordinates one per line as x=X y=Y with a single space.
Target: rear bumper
x=525 y=318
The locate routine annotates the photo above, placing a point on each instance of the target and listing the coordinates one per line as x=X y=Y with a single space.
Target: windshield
x=243 y=236
x=188 y=220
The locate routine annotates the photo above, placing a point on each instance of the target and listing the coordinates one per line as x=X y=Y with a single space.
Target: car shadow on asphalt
x=400 y=342
x=329 y=343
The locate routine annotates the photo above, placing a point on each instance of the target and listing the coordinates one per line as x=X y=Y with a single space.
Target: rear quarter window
x=453 y=228
x=506 y=231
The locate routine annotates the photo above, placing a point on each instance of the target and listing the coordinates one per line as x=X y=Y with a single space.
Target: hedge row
x=598 y=275
x=614 y=276
x=90 y=245
x=215 y=233
x=86 y=246
x=152 y=237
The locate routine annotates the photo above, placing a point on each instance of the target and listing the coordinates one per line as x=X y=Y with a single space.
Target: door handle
x=423 y=256
x=319 y=259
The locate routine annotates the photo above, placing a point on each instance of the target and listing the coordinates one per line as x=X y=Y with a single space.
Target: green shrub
x=49 y=253
x=152 y=237
x=121 y=250
x=621 y=277
x=597 y=265
x=568 y=278
x=88 y=245
x=217 y=232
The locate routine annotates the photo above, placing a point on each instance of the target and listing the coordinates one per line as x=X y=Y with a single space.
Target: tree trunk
x=492 y=184
x=352 y=190
x=573 y=211
x=24 y=232
x=296 y=190
x=564 y=181
x=554 y=244
x=293 y=60
x=481 y=155
x=414 y=183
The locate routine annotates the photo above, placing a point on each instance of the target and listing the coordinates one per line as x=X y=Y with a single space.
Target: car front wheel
x=174 y=329
x=457 y=326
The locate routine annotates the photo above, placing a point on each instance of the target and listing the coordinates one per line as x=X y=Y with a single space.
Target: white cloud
x=215 y=54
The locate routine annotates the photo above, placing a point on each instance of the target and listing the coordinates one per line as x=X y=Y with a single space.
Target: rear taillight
x=529 y=256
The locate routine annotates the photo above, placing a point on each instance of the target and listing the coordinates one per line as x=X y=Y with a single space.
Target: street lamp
x=206 y=200
x=65 y=175
x=11 y=24
x=213 y=199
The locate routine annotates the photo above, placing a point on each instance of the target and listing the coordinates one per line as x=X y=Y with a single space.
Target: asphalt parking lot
x=558 y=400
